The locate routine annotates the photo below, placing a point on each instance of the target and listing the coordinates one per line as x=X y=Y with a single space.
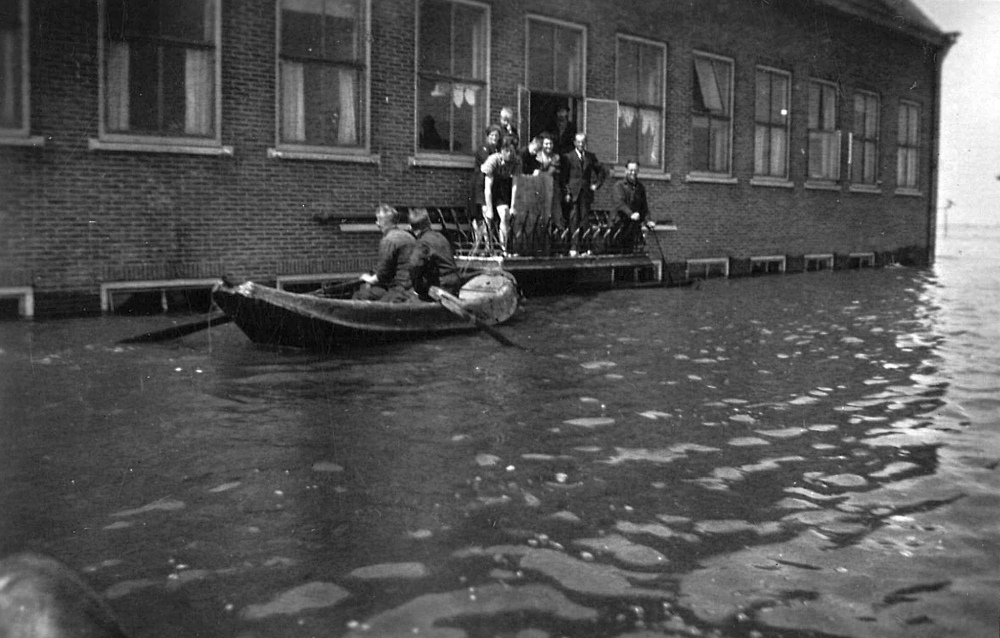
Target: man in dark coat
x=631 y=208
x=432 y=262
x=581 y=176
x=391 y=279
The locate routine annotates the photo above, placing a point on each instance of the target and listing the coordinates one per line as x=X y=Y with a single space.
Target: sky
x=970 y=111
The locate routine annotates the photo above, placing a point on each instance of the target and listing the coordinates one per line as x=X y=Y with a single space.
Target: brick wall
x=72 y=218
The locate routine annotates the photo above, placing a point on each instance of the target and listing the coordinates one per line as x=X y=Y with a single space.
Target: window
x=864 y=139
x=160 y=68
x=453 y=49
x=640 y=92
x=14 y=69
x=555 y=78
x=711 y=114
x=824 y=138
x=908 y=146
x=771 y=117
x=322 y=73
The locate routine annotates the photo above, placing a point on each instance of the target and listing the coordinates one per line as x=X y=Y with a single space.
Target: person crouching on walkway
x=390 y=281
x=432 y=262
x=498 y=189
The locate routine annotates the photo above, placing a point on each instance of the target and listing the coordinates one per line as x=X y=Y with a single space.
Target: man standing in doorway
x=581 y=176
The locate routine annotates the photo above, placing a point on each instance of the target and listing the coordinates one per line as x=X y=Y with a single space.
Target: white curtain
x=116 y=87
x=347 y=129
x=8 y=55
x=293 y=102
x=198 y=84
x=650 y=137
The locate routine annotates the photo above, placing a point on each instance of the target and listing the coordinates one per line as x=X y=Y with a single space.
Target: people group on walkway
x=577 y=174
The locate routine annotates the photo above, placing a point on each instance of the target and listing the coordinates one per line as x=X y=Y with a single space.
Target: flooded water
x=796 y=455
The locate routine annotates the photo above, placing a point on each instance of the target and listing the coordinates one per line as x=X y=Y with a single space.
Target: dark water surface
x=779 y=456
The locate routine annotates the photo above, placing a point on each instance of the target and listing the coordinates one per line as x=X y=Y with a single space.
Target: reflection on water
x=765 y=456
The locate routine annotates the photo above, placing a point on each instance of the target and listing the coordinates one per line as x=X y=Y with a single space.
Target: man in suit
x=581 y=176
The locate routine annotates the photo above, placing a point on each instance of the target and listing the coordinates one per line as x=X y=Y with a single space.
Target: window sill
x=908 y=192
x=870 y=189
x=156 y=147
x=646 y=176
x=442 y=161
x=710 y=178
x=772 y=182
x=324 y=156
x=22 y=140
x=822 y=186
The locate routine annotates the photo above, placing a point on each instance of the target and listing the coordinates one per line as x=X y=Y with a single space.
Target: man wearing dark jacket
x=581 y=176
x=432 y=262
x=391 y=279
x=631 y=208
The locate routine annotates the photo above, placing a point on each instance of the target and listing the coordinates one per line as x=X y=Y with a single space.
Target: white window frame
x=768 y=126
x=360 y=153
x=857 y=142
x=21 y=135
x=904 y=151
x=710 y=175
x=110 y=141
x=445 y=159
x=827 y=179
x=662 y=106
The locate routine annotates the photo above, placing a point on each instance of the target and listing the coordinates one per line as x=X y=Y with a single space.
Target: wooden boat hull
x=276 y=317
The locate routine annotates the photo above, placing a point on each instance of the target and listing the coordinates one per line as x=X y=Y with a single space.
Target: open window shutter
x=524 y=114
x=601 y=126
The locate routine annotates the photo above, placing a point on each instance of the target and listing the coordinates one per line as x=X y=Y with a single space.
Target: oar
x=663 y=259
x=179 y=331
x=453 y=305
x=329 y=290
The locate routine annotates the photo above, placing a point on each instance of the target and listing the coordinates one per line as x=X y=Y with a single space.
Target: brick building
x=151 y=142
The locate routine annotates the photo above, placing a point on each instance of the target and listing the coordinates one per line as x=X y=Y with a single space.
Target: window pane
x=707 y=94
x=722 y=75
x=720 y=146
x=173 y=90
x=762 y=101
x=700 y=143
x=541 y=47
x=11 y=107
x=650 y=75
x=871 y=119
x=188 y=20
x=330 y=100
x=341 y=27
x=650 y=137
x=760 y=153
x=628 y=71
x=470 y=42
x=302 y=28
x=433 y=105
x=829 y=109
x=779 y=152
x=568 y=57
x=779 y=98
x=144 y=87
x=435 y=38
x=629 y=125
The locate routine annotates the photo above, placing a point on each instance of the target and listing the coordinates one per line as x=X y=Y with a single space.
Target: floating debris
x=590 y=422
x=225 y=487
x=390 y=570
x=163 y=504
x=309 y=596
x=327 y=466
x=598 y=365
x=747 y=441
x=487 y=460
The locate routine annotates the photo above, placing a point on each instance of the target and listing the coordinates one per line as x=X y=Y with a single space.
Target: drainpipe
x=932 y=189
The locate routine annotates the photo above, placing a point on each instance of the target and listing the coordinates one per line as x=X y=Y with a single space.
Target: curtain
x=293 y=102
x=779 y=151
x=116 y=88
x=709 y=87
x=198 y=84
x=347 y=129
x=650 y=137
x=8 y=75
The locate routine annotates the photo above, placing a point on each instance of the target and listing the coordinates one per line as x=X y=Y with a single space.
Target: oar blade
x=175 y=332
x=453 y=305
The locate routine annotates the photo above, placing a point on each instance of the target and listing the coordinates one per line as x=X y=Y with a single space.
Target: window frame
x=111 y=141
x=296 y=150
x=915 y=147
x=431 y=157
x=768 y=177
x=713 y=175
x=831 y=182
x=21 y=134
x=858 y=138
x=661 y=167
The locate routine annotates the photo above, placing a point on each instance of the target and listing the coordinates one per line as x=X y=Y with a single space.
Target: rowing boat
x=277 y=317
